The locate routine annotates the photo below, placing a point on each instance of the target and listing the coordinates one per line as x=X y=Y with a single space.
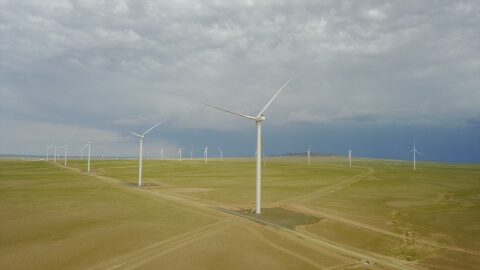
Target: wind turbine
x=161 y=152
x=350 y=156
x=414 y=151
x=180 y=154
x=258 y=120
x=88 y=144
x=191 y=154
x=308 y=154
x=55 y=154
x=48 y=149
x=141 y=148
x=65 y=154
x=205 y=154
x=221 y=154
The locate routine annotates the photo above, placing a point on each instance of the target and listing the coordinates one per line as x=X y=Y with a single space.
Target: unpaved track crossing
x=329 y=189
x=144 y=255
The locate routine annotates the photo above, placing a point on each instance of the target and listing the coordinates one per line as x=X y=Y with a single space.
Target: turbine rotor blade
x=133 y=133
x=84 y=146
x=268 y=104
x=239 y=114
x=153 y=127
x=419 y=152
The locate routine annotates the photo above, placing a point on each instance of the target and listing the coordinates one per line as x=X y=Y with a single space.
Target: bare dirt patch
x=405 y=204
x=143 y=185
x=188 y=190
x=278 y=217
x=443 y=198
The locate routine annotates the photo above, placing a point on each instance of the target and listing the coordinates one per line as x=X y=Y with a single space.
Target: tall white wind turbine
x=221 y=154
x=350 y=156
x=88 y=144
x=140 y=156
x=161 y=153
x=258 y=120
x=205 y=154
x=414 y=151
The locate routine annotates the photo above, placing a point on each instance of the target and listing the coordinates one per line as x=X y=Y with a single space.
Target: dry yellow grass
x=376 y=215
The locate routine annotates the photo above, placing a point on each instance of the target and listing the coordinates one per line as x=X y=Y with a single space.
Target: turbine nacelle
x=260 y=118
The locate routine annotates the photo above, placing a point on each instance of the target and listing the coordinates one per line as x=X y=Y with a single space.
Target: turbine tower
x=161 y=153
x=180 y=154
x=308 y=154
x=205 y=154
x=258 y=120
x=191 y=154
x=221 y=154
x=48 y=149
x=350 y=156
x=414 y=151
x=88 y=144
x=140 y=154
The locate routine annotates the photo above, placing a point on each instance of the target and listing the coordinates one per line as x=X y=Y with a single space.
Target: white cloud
x=100 y=63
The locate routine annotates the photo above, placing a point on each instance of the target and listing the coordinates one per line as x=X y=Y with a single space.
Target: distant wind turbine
x=48 y=149
x=221 y=154
x=140 y=157
x=180 y=154
x=258 y=120
x=205 y=154
x=65 y=154
x=88 y=144
x=414 y=151
x=191 y=155
x=161 y=152
x=350 y=156
x=308 y=154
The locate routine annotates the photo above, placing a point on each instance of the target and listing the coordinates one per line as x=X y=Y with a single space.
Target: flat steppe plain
x=377 y=214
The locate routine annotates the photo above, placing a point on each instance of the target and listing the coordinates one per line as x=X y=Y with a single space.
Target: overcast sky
x=372 y=76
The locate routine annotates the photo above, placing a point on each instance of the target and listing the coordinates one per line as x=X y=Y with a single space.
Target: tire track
x=317 y=212
x=144 y=255
x=329 y=189
x=280 y=248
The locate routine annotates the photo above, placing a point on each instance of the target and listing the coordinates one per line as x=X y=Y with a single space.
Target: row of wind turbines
x=55 y=156
x=205 y=154
x=415 y=151
x=259 y=118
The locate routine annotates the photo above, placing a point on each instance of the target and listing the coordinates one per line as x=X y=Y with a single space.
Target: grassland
x=378 y=214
